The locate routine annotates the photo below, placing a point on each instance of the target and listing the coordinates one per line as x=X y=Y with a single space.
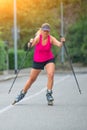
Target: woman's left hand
x=62 y=39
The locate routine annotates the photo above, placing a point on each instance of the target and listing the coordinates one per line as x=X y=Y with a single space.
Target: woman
x=43 y=57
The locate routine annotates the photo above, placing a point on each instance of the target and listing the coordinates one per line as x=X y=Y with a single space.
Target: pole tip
x=80 y=92
x=9 y=91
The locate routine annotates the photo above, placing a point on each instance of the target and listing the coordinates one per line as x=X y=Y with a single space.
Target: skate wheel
x=50 y=103
x=14 y=102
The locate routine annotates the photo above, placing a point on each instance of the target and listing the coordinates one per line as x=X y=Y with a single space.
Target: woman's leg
x=33 y=75
x=50 y=69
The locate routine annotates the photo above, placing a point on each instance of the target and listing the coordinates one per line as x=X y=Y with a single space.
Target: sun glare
x=4 y=1
x=5 y=6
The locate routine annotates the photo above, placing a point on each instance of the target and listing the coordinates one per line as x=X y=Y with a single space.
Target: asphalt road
x=69 y=111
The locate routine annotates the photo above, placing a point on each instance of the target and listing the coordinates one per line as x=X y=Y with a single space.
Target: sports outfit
x=42 y=54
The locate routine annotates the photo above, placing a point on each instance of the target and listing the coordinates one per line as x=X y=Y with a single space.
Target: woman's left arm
x=55 y=42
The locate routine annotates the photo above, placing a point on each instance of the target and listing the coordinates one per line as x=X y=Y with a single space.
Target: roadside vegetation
x=30 y=15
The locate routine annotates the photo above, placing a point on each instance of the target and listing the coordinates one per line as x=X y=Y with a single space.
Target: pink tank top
x=43 y=52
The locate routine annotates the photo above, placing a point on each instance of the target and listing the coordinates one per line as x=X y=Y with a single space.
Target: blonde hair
x=40 y=29
x=38 y=32
x=45 y=24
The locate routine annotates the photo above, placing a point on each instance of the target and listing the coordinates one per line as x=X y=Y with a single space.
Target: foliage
x=32 y=13
x=24 y=61
x=2 y=56
x=77 y=41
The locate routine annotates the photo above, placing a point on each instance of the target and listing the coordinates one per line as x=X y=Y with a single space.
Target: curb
x=11 y=76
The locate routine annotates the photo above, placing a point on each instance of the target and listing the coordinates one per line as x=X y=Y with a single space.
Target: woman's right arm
x=34 y=41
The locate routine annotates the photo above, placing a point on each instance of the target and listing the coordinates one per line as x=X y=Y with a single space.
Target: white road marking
x=30 y=97
x=62 y=79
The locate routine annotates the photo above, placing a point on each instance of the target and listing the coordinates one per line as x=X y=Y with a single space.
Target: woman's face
x=45 y=33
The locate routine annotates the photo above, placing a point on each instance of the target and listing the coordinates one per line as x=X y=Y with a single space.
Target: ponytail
x=38 y=32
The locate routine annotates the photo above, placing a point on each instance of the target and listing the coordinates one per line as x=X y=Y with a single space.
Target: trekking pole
x=69 y=59
x=72 y=68
x=20 y=68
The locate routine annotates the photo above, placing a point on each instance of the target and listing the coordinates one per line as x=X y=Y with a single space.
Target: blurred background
x=21 y=19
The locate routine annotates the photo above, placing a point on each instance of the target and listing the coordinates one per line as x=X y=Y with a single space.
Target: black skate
x=49 y=97
x=19 y=97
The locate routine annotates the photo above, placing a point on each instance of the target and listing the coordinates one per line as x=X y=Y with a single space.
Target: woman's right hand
x=30 y=42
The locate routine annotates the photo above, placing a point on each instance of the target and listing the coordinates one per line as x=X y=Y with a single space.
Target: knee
x=50 y=75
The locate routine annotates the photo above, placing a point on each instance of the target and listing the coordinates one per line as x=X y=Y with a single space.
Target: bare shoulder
x=36 y=40
x=54 y=41
x=52 y=38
